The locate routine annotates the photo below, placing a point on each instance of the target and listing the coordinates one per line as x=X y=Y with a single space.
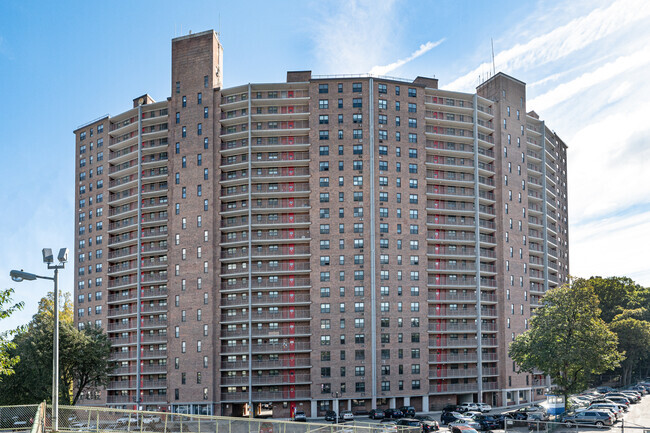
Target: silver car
x=614 y=408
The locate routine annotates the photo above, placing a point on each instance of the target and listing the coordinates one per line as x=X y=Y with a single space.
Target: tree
x=626 y=309
x=633 y=338
x=616 y=294
x=7 y=361
x=83 y=358
x=567 y=339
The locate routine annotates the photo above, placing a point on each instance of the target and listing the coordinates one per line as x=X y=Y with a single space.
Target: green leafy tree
x=567 y=339
x=616 y=294
x=7 y=361
x=83 y=358
x=634 y=339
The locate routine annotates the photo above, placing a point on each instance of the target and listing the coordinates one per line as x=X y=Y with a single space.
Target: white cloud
x=424 y=48
x=604 y=73
x=608 y=170
x=561 y=41
x=346 y=36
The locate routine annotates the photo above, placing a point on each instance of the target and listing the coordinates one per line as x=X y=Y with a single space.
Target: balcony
x=265 y=365
x=282 y=282
x=285 y=314
x=255 y=301
x=280 y=379
x=283 y=331
x=268 y=348
x=125 y=399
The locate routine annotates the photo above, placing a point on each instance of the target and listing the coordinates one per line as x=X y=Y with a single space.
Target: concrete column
x=349 y=404
x=407 y=401
x=425 y=403
x=314 y=408
x=391 y=402
x=516 y=396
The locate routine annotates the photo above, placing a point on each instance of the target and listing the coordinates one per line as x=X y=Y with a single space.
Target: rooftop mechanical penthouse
x=274 y=244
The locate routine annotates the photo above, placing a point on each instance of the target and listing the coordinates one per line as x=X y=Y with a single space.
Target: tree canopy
x=567 y=338
x=7 y=308
x=83 y=358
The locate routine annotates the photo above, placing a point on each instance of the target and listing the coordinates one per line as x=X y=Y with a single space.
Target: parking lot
x=635 y=421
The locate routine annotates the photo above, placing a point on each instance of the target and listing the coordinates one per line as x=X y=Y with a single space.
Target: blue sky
x=585 y=63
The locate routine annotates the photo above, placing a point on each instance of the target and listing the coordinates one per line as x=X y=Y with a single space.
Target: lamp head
x=63 y=255
x=48 y=257
x=19 y=276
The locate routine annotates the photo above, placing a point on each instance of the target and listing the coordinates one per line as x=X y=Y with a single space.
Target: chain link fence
x=533 y=426
x=17 y=418
x=36 y=419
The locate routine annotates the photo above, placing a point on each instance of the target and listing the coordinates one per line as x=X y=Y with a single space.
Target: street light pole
x=19 y=276
x=55 y=356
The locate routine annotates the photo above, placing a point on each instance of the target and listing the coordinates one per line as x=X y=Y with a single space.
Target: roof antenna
x=494 y=68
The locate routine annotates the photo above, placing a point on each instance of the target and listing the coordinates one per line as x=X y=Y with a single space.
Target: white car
x=347 y=415
x=465 y=407
x=484 y=407
x=465 y=423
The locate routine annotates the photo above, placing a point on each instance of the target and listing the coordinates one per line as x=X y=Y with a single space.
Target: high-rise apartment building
x=366 y=239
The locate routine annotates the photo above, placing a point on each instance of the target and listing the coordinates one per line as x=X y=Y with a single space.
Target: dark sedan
x=393 y=413
x=376 y=414
x=488 y=422
x=330 y=415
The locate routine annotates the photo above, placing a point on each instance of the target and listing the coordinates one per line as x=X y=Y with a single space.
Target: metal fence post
x=97 y=426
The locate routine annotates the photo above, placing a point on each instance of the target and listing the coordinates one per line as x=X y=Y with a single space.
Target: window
x=412 y=92
x=323 y=135
x=323 y=103
x=323 y=88
x=357 y=87
x=383 y=104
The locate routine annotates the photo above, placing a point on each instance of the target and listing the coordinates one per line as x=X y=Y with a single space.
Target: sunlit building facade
x=282 y=246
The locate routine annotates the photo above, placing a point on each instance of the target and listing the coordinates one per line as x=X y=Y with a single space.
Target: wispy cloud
x=424 y=48
x=346 y=37
x=604 y=73
x=561 y=41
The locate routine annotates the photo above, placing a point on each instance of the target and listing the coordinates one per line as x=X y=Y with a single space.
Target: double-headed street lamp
x=19 y=276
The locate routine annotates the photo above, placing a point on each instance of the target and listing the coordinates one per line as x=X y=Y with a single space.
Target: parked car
x=151 y=420
x=597 y=418
x=426 y=426
x=605 y=389
x=300 y=416
x=487 y=422
x=466 y=423
x=501 y=418
x=393 y=413
x=347 y=415
x=425 y=418
x=408 y=411
x=614 y=408
x=449 y=417
x=464 y=407
x=484 y=407
x=429 y=426
x=634 y=396
x=620 y=400
x=376 y=414
x=536 y=421
x=450 y=408
x=462 y=429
